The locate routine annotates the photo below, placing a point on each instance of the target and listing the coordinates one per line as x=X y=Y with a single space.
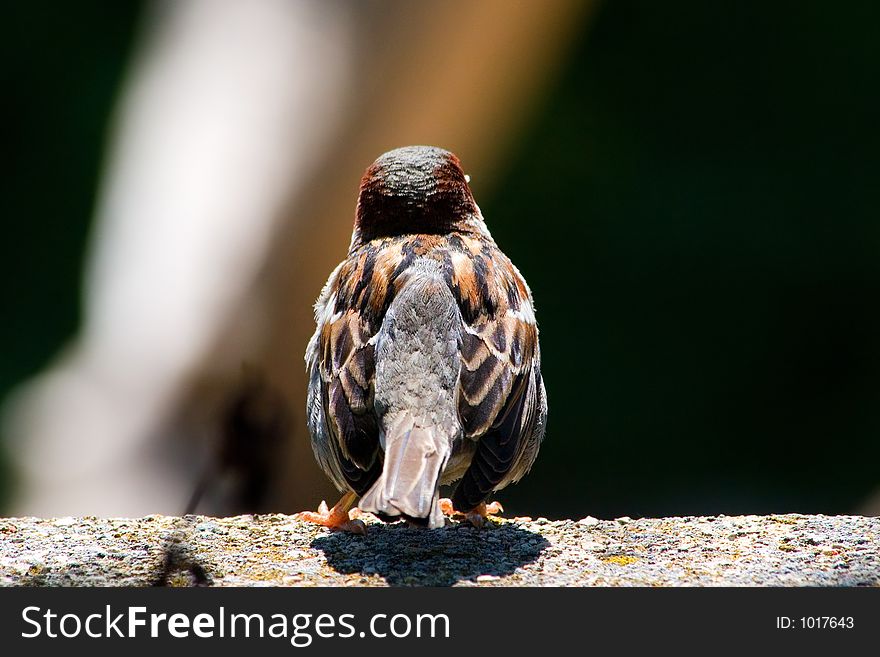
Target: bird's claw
x=476 y=517
x=339 y=518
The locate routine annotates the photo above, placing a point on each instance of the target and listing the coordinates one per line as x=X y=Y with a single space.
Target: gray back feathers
x=417 y=368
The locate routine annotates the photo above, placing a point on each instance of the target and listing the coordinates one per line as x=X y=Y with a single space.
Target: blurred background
x=690 y=188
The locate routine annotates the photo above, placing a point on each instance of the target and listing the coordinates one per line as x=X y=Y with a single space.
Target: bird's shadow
x=412 y=556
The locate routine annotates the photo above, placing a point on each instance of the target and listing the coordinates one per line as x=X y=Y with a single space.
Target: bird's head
x=415 y=189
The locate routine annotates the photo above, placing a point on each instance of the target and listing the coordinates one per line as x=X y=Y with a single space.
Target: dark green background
x=694 y=206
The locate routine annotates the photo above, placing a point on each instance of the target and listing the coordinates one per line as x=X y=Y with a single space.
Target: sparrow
x=424 y=368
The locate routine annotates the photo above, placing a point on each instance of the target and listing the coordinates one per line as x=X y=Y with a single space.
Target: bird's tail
x=408 y=486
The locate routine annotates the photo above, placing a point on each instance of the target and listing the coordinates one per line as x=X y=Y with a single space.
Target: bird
x=425 y=368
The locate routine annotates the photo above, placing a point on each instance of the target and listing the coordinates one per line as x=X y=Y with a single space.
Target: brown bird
x=424 y=368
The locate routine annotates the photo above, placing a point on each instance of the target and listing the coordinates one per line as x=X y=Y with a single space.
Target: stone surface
x=273 y=550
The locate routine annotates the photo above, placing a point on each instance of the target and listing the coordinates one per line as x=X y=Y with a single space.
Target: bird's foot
x=339 y=518
x=477 y=516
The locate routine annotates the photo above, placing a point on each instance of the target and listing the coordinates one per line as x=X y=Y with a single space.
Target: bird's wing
x=501 y=400
x=345 y=433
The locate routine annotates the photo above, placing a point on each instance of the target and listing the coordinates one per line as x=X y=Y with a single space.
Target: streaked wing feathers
x=346 y=367
x=501 y=400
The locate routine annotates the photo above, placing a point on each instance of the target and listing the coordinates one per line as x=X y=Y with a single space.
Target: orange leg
x=477 y=516
x=446 y=507
x=339 y=518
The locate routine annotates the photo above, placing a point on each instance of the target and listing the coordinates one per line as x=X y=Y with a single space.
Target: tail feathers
x=408 y=486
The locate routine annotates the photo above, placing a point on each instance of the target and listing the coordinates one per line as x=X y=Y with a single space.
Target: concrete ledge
x=784 y=550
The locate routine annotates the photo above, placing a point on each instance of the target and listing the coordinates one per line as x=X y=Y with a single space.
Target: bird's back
x=417 y=368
